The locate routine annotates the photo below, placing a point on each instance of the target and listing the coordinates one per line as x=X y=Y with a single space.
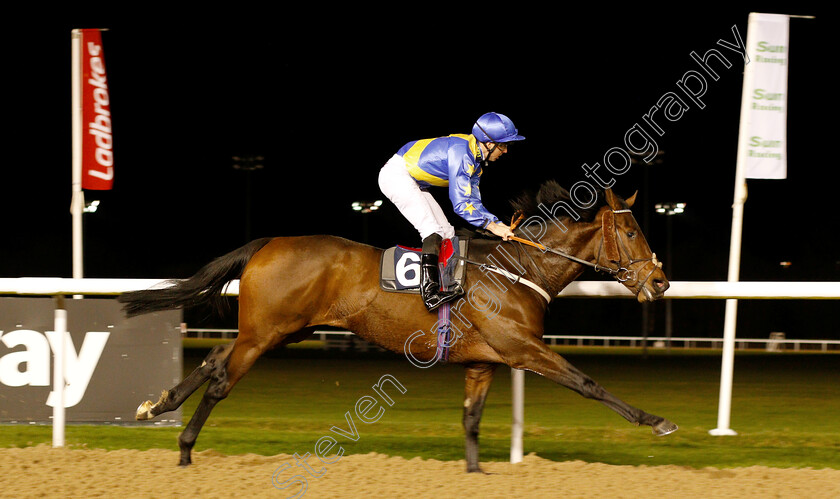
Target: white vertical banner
x=762 y=142
x=762 y=153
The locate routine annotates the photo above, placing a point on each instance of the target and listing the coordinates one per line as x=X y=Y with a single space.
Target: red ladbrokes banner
x=97 y=139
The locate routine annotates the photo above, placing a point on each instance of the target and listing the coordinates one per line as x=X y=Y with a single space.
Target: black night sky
x=327 y=101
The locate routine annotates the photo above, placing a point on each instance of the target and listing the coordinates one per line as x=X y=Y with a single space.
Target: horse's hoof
x=186 y=459
x=144 y=412
x=664 y=427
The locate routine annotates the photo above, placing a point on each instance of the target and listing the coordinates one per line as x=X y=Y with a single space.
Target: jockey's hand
x=500 y=230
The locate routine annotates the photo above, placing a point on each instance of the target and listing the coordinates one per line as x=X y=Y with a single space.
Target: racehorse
x=290 y=285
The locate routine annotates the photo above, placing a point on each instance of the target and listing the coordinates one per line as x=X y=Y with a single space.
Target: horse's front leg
x=586 y=386
x=477 y=384
x=523 y=351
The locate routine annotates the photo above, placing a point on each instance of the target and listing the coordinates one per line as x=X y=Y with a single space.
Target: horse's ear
x=631 y=199
x=612 y=199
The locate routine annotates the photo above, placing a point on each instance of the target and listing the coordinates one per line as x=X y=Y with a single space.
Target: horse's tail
x=202 y=289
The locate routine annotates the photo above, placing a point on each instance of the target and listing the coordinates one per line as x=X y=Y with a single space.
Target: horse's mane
x=549 y=193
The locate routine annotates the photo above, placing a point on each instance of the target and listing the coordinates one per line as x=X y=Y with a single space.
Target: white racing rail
x=56 y=286
x=745 y=290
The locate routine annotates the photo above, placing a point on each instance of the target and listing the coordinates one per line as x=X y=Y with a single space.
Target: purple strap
x=444 y=332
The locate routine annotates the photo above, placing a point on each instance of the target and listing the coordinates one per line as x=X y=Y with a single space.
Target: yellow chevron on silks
x=439 y=161
x=412 y=159
x=416 y=172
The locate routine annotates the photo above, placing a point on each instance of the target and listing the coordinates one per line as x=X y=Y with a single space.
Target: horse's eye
x=631 y=234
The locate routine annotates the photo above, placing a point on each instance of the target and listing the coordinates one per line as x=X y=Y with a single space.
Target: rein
x=619 y=273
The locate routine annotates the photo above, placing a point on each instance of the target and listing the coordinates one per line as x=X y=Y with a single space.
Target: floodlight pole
x=365 y=208
x=248 y=164
x=670 y=210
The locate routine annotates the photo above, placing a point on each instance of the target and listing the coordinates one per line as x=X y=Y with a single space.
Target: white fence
x=769 y=344
x=342 y=340
x=583 y=289
x=778 y=290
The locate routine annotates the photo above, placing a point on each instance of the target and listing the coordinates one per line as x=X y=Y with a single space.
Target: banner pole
x=758 y=35
x=739 y=198
x=77 y=201
x=727 y=367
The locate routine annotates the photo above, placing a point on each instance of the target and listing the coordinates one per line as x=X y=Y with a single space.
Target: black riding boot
x=433 y=296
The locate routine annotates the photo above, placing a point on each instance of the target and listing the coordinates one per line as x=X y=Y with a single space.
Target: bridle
x=628 y=273
x=612 y=246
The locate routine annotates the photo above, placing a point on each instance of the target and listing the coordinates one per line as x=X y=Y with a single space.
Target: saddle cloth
x=400 y=267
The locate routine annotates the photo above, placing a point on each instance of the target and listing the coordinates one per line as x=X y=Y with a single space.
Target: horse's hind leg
x=478 y=378
x=218 y=389
x=223 y=366
x=173 y=398
x=223 y=376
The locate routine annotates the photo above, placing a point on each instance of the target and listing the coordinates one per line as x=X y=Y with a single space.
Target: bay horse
x=290 y=285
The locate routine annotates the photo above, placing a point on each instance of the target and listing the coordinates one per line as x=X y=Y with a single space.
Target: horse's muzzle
x=653 y=289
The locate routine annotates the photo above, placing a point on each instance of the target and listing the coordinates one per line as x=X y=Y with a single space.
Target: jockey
x=457 y=162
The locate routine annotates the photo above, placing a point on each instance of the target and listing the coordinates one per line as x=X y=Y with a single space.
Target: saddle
x=400 y=267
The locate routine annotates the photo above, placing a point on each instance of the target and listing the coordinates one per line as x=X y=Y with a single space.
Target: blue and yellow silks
x=453 y=161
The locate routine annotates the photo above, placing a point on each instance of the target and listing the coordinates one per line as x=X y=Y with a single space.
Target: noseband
x=614 y=245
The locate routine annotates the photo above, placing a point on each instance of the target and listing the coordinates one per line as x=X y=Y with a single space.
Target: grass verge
x=784 y=410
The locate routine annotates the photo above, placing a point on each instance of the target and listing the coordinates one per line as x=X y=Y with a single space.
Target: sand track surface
x=42 y=471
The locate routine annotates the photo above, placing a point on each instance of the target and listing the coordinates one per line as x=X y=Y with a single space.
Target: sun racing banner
x=97 y=137
x=763 y=134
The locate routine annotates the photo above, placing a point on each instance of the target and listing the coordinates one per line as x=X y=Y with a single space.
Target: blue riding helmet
x=495 y=127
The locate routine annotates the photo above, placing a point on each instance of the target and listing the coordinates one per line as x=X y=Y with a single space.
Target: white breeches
x=419 y=207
